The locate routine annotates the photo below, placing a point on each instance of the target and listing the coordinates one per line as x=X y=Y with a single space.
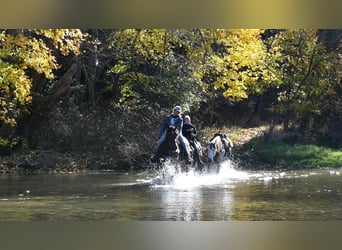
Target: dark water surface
x=310 y=195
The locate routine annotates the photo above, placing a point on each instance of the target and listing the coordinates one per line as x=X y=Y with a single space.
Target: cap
x=187 y=117
x=177 y=108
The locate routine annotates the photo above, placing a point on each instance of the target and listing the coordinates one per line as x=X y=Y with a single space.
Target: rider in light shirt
x=190 y=132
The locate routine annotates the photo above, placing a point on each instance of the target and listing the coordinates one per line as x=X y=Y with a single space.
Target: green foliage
x=304 y=72
x=185 y=64
x=9 y=142
x=151 y=70
x=240 y=62
x=24 y=51
x=157 y=66
x=297 y=156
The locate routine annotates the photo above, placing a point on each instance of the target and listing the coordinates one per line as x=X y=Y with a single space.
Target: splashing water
x=171 y=176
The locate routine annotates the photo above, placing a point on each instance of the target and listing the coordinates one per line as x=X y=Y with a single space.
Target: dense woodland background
x=105 y=91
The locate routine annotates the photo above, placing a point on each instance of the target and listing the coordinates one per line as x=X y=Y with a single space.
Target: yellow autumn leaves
x=22 y=51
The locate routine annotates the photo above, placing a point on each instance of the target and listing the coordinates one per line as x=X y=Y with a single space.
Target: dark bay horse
x=171 y=147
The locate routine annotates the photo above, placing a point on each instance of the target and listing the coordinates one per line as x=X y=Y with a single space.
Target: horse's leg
x=221 y=155
x=220 y=158
x=210 y=166
x=198 y=164
x=185 y=148
x=159 y=149
x=229 y=151
x=186 y=168
x=211 y=153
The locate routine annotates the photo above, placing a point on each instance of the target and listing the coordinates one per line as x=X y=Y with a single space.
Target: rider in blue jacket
x=174 y=119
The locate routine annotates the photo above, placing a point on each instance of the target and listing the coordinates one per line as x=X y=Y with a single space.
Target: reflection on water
x=166 y=194
x=182 y=205
x=186 y=196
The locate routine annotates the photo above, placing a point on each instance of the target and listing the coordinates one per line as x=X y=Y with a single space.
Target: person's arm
x=194 y=132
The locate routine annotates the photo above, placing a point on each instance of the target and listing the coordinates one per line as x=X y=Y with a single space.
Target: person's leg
x=221 y=155
x=194 y=146
x=185 y=144
x=198 y=154
x=161 y=140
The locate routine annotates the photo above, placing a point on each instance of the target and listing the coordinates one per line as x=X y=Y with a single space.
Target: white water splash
x=228 y=175
x=170 y=176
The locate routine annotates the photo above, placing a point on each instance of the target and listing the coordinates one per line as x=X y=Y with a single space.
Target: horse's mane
x=216 y=142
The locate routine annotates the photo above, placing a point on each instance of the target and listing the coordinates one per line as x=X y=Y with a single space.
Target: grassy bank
x=251 y=150
x=296 y=156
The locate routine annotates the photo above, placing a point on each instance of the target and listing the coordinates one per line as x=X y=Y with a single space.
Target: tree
x=157 y=68
x=240 y=61
x=24 y=53
x=304 y=70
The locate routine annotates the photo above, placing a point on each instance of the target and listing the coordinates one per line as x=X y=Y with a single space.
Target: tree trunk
x=63 y=85
x=286 y=117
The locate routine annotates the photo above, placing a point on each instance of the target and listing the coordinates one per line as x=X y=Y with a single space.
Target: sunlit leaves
x=65 y=40
x=159 y=64
x=233 y=60
x=22 y=51
x=119 y=68
x=299 y=60
x=236 y=61
x=240 y=60
x=305 y=71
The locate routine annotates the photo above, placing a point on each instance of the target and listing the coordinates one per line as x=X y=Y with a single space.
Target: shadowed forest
x=95 y=99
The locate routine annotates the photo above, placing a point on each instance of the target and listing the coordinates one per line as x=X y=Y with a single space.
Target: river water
x=165 y=195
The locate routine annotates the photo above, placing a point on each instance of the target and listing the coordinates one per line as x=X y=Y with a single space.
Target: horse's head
x=171 y=139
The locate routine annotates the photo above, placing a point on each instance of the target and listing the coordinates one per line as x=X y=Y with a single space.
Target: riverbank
x=68 y=162
x=52 y=161
x=250 y=152
x=36 y=161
